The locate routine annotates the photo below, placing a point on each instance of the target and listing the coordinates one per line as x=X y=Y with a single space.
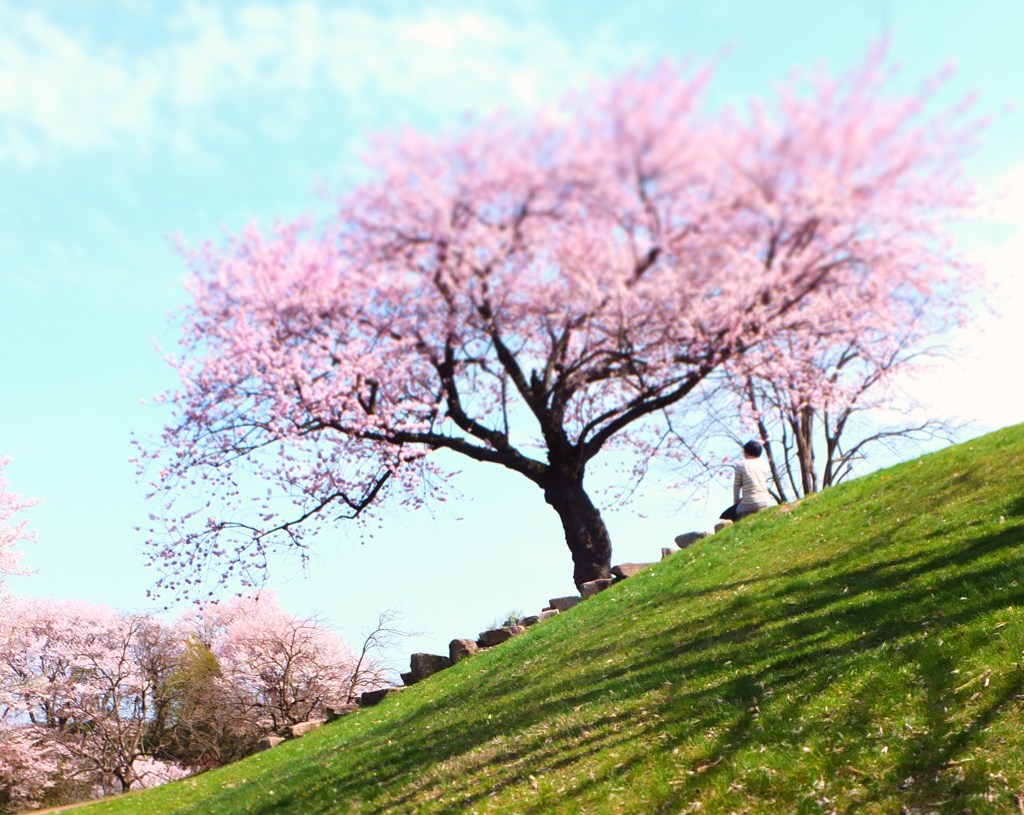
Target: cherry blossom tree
x=534 y=294
x=276 y=670
x=29 y=770
x=820 y=419
x=11 y=534
x=26 y=772
x=79 y=685
x=95 y=701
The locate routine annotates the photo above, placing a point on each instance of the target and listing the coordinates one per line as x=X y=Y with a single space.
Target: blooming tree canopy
x=822 y=414
x=77 y=695
x=94 y=701
x=11 y=533
x=281 y=670
x=533 y=294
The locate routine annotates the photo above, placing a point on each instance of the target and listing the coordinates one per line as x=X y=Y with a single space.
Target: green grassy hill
x=862 y=651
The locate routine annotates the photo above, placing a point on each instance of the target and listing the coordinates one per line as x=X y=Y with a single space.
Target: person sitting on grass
x=749 y=485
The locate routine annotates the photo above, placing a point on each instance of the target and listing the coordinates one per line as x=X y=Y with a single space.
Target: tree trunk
x=803 y=432
x=780 y=493
x=585 y=533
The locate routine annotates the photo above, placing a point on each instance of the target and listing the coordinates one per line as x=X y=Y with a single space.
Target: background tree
x=11 y=533
x=369 y=672
x=27 y=769
x=279 y=670
x=94 y=701
x=79 y=697
x=834 y=400
x=205 y=727
x=532 y=295
x=30 y=773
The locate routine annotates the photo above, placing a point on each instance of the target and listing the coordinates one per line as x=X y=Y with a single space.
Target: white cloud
x=55 y=93
x=62 y=89
x=981 y=384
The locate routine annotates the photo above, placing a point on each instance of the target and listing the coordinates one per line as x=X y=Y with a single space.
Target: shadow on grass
x=790 y=636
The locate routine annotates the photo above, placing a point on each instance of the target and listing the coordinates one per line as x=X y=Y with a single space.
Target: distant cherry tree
x=816 y=443
x=30 y=771
x=534 y=294
x=842 y=394
x=11 y=533
x=274 y=669
x=95 y=701
x=79 y=697
x=26 y=771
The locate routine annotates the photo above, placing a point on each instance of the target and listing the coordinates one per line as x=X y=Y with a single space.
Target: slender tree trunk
x=803 y=432
x=350 y=694
x=585 y=533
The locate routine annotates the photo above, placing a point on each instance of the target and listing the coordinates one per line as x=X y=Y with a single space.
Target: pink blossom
x=11 y=533
x=534 y=294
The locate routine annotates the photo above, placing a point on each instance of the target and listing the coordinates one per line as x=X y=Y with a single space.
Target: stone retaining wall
x=422 y=666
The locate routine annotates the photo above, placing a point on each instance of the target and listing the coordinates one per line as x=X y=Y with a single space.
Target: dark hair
x=752 y=448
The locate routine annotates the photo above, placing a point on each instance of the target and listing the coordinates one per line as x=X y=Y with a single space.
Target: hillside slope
x=862 y=651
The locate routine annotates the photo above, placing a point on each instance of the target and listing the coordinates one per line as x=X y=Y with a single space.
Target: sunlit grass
x=862 y=651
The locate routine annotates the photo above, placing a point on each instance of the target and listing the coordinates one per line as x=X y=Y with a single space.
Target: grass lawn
x=862 y=651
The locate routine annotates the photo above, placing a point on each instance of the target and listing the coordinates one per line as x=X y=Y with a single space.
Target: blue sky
x=124 y=122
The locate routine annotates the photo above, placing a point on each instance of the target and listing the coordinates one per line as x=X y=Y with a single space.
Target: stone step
x=269 y=742
x=624 y=570
x=423 y=665
x=299 y=730
x=375 y=697
x=496 y=636
x=564 y=603
x=335 y=712
x=689 y=538
x=460 y=649
x=592 y=587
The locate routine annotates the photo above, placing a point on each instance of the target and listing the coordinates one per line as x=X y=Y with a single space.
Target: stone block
x=496 y=636
x=689 y=538
x=375 y=697
x=335 y=712
x=423 y=665
x=624 y=570
x=563 y=603
x=302 y=728
x=460 y=649
x=592 y=587
x=269 y=742
x=534 y=619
